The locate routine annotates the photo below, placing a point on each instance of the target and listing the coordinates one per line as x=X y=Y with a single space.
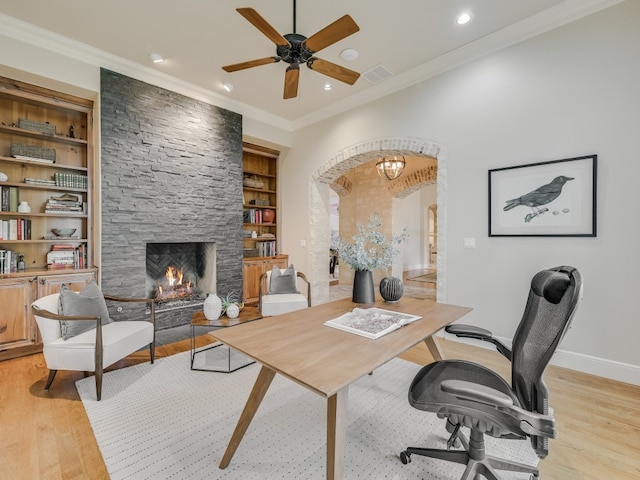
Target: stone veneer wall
x=171 y=171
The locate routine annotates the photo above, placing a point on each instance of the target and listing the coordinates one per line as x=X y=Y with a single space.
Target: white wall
x=570 y=92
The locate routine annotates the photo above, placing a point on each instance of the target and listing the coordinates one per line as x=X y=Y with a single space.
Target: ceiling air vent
x=377 y=74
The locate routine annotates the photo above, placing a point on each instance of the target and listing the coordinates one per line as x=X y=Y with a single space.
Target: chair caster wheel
x=405 y=457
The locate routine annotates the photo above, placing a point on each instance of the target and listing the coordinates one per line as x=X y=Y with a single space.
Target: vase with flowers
x=370 y=250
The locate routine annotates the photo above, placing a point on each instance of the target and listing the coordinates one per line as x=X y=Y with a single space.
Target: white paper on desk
x=371 y=322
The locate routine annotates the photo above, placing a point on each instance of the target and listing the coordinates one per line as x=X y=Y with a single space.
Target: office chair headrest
x=551 y=285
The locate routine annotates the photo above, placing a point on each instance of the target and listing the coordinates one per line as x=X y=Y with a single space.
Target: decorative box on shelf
x=250 y=252
x=37 y=126
x=33 y=152
x=253 y=182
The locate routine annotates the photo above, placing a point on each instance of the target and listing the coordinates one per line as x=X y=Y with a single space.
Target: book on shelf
x=9 y=199
x=371 y=322
x=8 y=261
x=39 y=181
x=34 y=159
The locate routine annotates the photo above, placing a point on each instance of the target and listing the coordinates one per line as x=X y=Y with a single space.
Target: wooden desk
x=326 y=360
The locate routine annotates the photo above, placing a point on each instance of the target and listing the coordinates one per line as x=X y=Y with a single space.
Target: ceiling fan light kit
x=296 y=49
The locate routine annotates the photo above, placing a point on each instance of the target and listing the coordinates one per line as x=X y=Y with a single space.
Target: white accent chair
x=95 y=349
x=279 y=303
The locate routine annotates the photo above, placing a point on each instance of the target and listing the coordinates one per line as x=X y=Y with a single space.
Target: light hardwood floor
x=48 y=436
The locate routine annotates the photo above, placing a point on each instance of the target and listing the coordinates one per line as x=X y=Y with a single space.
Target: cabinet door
x=48 y=284
x=251 y=271
x=17 y=328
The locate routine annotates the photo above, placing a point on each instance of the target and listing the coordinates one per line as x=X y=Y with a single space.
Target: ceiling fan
x=296 y=49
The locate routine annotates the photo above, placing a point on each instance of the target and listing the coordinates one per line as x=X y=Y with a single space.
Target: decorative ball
x=391 y=289
x=233 y=310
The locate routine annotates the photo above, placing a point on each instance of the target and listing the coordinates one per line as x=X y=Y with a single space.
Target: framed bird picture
x=556 y=198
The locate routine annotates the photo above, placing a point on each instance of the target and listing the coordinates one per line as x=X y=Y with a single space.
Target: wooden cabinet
x=260 y=201
x=252 y=268
x=46 y=162
x=18 y=329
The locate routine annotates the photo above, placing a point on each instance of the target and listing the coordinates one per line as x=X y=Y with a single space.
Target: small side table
x=199 y=321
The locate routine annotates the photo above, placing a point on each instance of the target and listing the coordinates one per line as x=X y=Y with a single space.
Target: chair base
x=473 y=456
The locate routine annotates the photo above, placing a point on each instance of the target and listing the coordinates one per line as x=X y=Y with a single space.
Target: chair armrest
x=41 y=312
x=470 y=331
x=125 y=299
x=304 y=277
x=531 y=423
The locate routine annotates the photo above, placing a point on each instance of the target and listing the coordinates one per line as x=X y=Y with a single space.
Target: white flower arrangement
x=370 y=249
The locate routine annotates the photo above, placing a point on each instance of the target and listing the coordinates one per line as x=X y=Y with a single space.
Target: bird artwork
x=538 y=197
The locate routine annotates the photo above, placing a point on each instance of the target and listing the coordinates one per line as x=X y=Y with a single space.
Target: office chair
x=470 y=395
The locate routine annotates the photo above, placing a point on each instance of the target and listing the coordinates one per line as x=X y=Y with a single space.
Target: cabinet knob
x=42 y=281
x=32 y=279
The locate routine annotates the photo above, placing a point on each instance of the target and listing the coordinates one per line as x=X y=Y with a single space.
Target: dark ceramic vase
x=363 y=287
x=391 y=289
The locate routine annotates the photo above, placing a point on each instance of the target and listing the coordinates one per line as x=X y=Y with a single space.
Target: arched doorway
x=332 y=174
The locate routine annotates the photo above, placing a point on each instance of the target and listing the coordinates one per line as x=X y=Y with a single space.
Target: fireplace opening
x=180 y=275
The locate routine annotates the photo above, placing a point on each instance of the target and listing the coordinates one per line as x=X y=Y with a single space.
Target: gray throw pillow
x=283 y=281
x=88 y=302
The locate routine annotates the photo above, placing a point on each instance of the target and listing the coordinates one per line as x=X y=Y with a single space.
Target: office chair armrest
x=531 y=423
x=476 y=392
x=477 y=333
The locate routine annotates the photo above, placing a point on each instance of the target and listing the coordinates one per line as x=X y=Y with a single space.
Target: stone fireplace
x=171 y=173
x=180 y=275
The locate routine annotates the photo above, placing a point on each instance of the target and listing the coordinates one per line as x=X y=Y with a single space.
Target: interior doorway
x=331 y=176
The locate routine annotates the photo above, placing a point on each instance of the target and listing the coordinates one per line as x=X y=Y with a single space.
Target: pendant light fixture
x=390 y=167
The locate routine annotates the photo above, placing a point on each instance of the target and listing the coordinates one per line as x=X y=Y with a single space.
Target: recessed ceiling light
x=463 y=18
x=349 y=54
x=327 y=87
x=228 y=87
x=156 y=58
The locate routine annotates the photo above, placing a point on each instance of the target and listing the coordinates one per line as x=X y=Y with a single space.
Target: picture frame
x=555 y=198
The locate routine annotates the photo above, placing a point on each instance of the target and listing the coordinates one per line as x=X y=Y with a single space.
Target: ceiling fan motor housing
x=296 y=52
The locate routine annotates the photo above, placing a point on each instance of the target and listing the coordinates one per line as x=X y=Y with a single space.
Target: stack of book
x=65 y=204
x=65 y=255
x=15 y=229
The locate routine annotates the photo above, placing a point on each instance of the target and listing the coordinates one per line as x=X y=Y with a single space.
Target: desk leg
x=434 y=348
x=255 y=398
x=336 y=433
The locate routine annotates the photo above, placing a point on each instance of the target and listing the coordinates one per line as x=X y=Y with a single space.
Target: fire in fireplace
x=180 y=274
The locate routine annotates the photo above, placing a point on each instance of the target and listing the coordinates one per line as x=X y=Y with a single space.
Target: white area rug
x=164 y=421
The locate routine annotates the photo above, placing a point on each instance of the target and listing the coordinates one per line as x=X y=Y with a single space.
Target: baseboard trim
x=611 y=369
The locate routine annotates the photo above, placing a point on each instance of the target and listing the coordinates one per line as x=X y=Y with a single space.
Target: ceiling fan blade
x=341 y=28
x=251 y=63
x=291 y=77
x=332 y=70
x=261 y=24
